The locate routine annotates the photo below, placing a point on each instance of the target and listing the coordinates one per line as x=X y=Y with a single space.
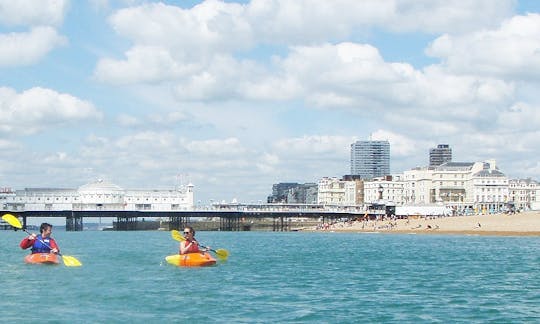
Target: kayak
x=43 y=258
x=191 y=260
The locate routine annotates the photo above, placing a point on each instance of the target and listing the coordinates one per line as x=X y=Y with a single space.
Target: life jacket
x=39 y=247
x=193 y=248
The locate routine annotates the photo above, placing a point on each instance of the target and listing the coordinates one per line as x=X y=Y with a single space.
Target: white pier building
x=99 y=195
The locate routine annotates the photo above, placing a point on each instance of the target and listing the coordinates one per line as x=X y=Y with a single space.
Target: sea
x=276 y=277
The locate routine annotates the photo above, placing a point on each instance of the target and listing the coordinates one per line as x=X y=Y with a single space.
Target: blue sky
x=236 y=96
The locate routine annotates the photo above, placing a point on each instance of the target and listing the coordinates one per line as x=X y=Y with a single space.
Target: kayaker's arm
x=54 y=246
x=27 y=241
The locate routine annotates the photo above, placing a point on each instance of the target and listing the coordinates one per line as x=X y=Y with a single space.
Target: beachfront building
x=417 y=185
x=100 y=195
x=489 y=188
x=465 y=187
x=388 y=189
x=331 y=191
x=355 y=190
x=370 y=159
x=451 y=185
x=524 y=194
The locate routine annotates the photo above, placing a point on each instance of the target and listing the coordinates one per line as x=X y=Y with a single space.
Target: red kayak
x=42 y=258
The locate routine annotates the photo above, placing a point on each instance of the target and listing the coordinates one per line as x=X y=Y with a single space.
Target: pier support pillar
x=229 y=224
x=125 y=224
x=74 y=223
x=178 y=222
x=281 y=224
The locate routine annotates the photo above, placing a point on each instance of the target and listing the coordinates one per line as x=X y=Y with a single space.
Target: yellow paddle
x=69 y=261
x=222 y=254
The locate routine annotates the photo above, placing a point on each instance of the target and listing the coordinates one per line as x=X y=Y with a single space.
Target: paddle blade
x=12 y=220
x=70 y=261
x=177 y=236
x=222 y=254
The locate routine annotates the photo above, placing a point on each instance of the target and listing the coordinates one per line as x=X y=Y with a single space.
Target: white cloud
x=401 y=145
x=38 y=108
x=216 y=147
x=25 y=48
x=308 y=146
x=144 y=64
x=510 y=51
x=33 y=12
x=520 y=117
x=186 y=40
x=440 y=16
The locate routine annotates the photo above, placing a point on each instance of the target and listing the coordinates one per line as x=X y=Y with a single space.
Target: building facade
x=440 y=155
x=388 y=189
x=370 y=159
x=524 y=194
x=100 y=195
x=467 y=187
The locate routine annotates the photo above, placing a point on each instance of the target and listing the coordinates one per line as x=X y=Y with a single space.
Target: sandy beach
x=520 y=224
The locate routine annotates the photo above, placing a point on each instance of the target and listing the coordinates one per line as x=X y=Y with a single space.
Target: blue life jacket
x=39 y=247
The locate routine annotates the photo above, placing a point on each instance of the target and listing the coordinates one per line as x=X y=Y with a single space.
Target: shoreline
x=520 y=224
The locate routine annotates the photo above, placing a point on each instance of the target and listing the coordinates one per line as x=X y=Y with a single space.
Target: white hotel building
x=465 y=187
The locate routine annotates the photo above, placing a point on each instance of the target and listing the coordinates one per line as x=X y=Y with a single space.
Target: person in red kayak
x=42 y=243
x=190 y=245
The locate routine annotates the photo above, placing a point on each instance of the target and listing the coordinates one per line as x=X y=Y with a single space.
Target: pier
x=232 y=217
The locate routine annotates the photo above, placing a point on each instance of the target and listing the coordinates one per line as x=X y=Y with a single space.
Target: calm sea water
x=277 y=277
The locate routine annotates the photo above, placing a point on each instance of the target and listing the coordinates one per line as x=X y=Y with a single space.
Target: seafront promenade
x=519 y=224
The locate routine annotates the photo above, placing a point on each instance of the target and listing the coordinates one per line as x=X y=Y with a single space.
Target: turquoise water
x=277 y=277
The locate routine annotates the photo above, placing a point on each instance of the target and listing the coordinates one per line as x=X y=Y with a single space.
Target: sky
x=235 y=96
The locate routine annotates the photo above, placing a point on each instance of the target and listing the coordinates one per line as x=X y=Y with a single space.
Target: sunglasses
x=187 y=233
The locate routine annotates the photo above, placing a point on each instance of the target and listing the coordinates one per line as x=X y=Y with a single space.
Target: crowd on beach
x=384 y=223
x=526 y=222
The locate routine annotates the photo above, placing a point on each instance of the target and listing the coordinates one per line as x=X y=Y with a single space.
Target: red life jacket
x=193 y=248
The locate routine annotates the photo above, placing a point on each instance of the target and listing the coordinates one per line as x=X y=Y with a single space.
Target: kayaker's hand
x=54 y=251
x=32 y=237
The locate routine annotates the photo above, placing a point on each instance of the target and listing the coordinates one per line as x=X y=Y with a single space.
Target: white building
x=334 y=191
x=99 y=195
x=388 y=189
x=464 y=186
x=331 y=191
x=417 y=186
x=524 y=194
x=489 y=188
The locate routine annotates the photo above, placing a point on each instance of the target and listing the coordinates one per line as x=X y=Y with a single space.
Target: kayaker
x=42 y=243
x=190 y=245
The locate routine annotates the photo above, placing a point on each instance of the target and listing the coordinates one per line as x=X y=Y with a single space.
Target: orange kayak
x=44 y=258
x=191 y=260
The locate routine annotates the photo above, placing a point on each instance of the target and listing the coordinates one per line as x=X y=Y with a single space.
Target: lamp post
x=381 y=189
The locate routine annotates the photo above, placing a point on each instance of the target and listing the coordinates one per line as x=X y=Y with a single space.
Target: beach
x=519 y=224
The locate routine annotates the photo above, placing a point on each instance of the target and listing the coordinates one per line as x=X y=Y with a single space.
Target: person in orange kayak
x=190 y=245
x=42 y=243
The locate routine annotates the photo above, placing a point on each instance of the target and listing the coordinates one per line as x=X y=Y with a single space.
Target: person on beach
x=42 y=243
x=190 y=245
